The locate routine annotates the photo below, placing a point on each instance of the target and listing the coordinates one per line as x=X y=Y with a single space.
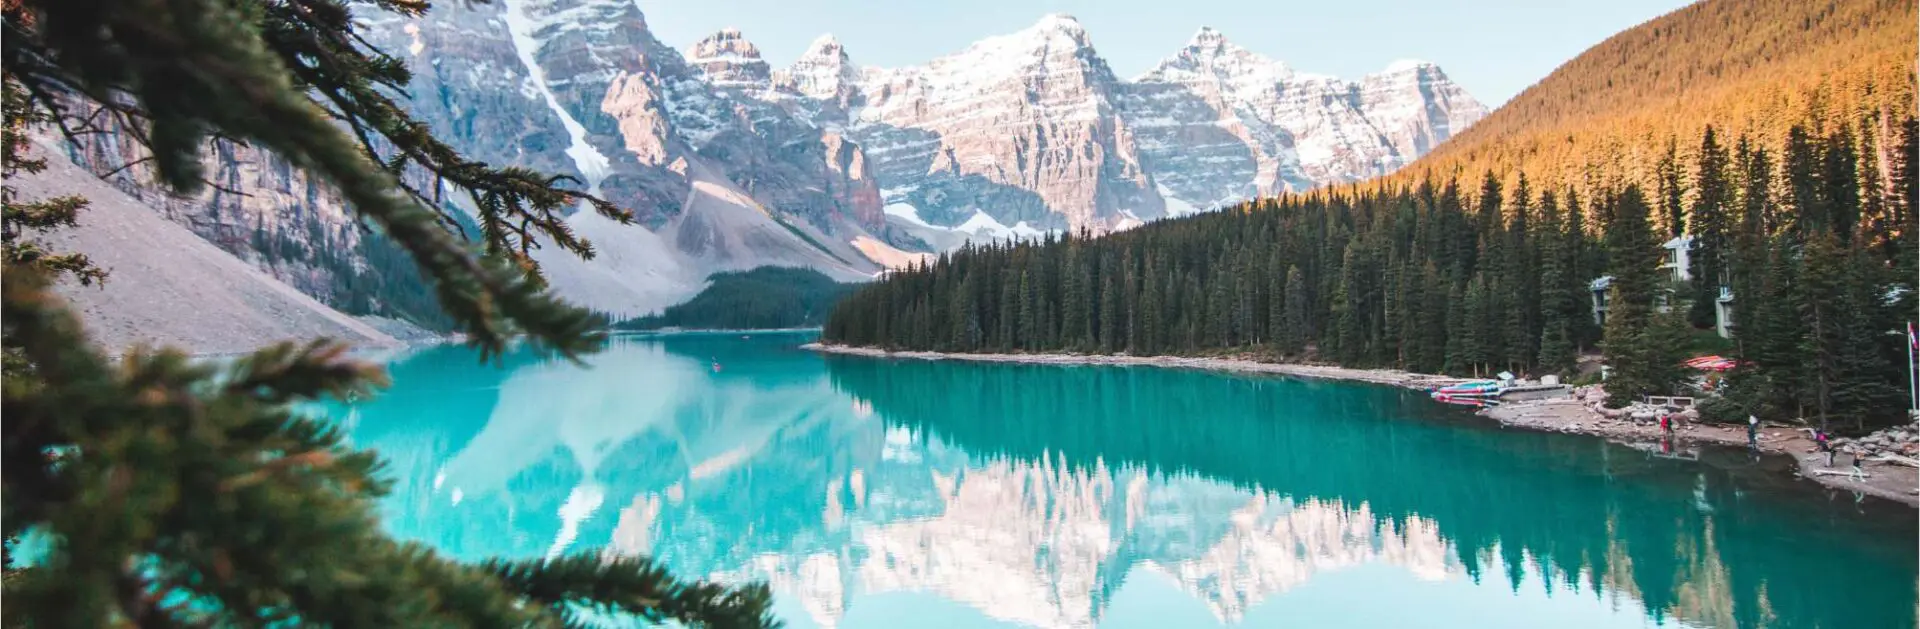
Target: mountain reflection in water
x=940 y=493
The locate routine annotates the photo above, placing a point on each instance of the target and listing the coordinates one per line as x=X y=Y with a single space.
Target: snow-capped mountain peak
x=1054 y=33
x=1020 y=126
x=1207 y=43
x=727 y=59
x=825 y=47
x=824 y=72
x=1409 y=65
x=1060 y=23
x=1211 y=56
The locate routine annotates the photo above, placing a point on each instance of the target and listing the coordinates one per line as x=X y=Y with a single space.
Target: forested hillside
x=1621 y=111
x=763 y=298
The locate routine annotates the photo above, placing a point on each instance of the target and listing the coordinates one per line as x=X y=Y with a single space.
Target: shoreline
x=1564 y=415
x=1389 y=377
x=709 y=331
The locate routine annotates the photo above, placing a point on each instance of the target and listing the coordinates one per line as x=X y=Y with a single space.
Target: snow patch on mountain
x=592 y=164
x=906 y=212
x=983 y=224
x=1176 y=208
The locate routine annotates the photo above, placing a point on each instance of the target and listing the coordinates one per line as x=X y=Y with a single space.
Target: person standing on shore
x=1753 y=433
x=1859 y=458
x=1820 y=439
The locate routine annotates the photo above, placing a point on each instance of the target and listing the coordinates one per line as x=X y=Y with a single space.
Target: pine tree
x=1902 y=246
x=1293 y=328
x=184 y=494
x=1076 y=305
x=1800 y=161
x=1667 y=174
x=1840 y=185
x=1665 y=351
x=1460 y=331
x=1558 y=287
x=1486 y=241
x=1276 y=323
x=1219 y=308
x=1875 y=226
x=1521 y=284
x=1479 y=336
x=1712 y=231
x=1027 y=332
x=1110 y=340
x=1348 y=330
x=1586 y=263
x=1009 y=319
x=965 y=324
x=1867 y=387
x=1750 y=238
x=1823 y=305
x=1409 y=297
x=1152 y=321
x=1772 y=329
x=1634 y=265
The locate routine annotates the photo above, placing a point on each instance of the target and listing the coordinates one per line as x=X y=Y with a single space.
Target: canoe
x=1463 y=400
x=1476 y=388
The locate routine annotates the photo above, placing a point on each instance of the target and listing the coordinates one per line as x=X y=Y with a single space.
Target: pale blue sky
x=1494 y=48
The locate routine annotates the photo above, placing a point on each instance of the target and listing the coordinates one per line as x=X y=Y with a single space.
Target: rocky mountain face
x=721 y=181
x=732 y=163
x=1034 y=128
x=1219 y=123
x=1021 y=126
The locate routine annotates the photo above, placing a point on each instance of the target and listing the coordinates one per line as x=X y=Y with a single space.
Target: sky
x=1494 y=48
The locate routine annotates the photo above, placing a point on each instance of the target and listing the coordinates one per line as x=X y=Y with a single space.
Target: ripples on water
x=927 y=494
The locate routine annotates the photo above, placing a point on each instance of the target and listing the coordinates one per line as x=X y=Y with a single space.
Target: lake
x=882 y=493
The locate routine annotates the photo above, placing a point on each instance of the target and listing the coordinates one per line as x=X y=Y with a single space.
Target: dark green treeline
x=1814 y=238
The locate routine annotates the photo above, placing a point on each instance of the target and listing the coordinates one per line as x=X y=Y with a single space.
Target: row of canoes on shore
x=1471 y=393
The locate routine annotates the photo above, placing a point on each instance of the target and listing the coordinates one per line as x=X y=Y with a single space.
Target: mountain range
x=732 y=164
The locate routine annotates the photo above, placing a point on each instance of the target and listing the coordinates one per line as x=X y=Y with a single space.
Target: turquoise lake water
x=879 y=493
